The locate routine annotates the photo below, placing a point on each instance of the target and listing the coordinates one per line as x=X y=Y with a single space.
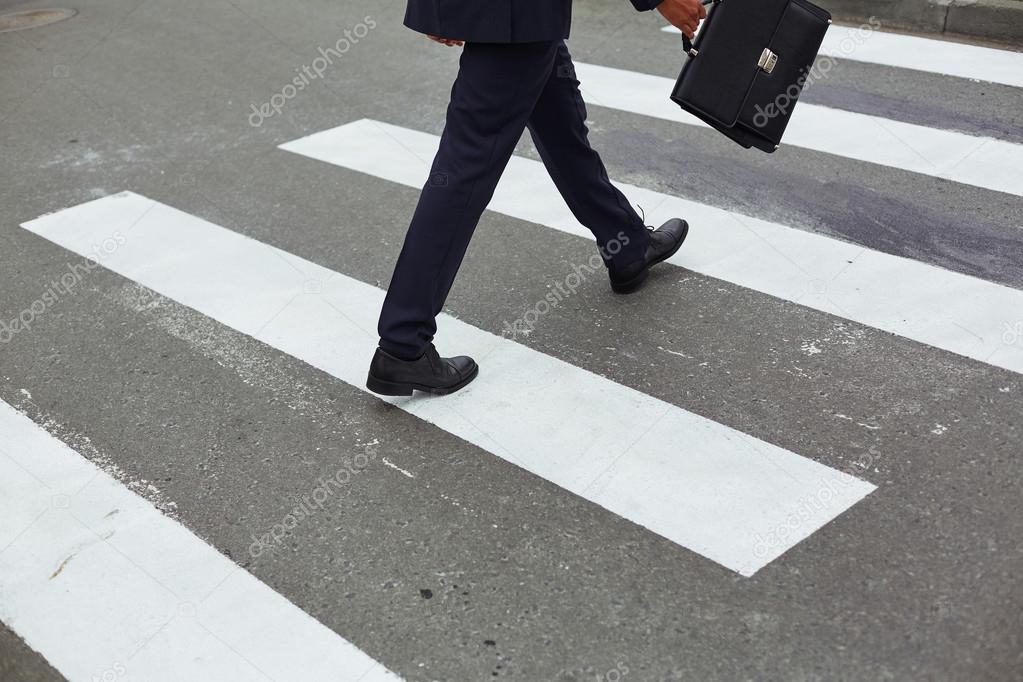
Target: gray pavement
x=20 y=663
x=986 y=20
x=525 y=581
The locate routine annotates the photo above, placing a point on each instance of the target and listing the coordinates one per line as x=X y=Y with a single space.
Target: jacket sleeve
x=644 y=5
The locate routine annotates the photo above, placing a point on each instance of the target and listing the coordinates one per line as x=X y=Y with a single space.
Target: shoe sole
x=383 y=387
x=637 y=281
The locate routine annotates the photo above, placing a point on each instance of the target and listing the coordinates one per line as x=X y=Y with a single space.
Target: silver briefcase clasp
x=767 y=60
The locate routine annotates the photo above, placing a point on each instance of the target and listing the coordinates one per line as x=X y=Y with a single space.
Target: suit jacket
x=497 y=21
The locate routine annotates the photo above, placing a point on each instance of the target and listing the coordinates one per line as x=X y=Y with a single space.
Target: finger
x=703 y=11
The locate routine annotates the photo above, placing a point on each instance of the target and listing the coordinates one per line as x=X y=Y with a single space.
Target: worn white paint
x=404 y=472
x=980 y=161
x=723 y=494
x=944 y=309
x=104 y=586
x=944 y=57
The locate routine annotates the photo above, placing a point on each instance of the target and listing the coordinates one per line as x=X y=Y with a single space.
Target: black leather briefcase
x=748 y=66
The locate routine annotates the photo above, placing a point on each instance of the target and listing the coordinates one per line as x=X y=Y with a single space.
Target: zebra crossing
x=179 y=608
x=592 y=454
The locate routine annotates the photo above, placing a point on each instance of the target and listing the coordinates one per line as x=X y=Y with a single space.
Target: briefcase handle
x=687 y=45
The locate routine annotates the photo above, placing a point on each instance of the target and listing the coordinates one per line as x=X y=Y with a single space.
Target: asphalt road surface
x=794 y=456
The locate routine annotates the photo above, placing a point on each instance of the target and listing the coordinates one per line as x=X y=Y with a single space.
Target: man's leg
x=558 y=128
x=495 y=91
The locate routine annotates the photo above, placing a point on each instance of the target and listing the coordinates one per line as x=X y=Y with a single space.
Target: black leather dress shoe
x=431 y=373
x=664 y=242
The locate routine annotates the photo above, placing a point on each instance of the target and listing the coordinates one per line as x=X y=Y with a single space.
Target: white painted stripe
x=705 y=486
x=980 y=161
x=955 y=312
x=104 y=586
x=943 y=57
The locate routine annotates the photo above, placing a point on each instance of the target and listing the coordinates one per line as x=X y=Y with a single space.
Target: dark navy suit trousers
x=499 y=91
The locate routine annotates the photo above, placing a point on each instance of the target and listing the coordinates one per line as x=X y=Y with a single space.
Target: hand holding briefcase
x=748 y=66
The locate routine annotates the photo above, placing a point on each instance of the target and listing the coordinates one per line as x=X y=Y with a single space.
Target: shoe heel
x=381 y=387
x=633 y=284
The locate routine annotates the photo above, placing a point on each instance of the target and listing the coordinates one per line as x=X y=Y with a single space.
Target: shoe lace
x=642 y=217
